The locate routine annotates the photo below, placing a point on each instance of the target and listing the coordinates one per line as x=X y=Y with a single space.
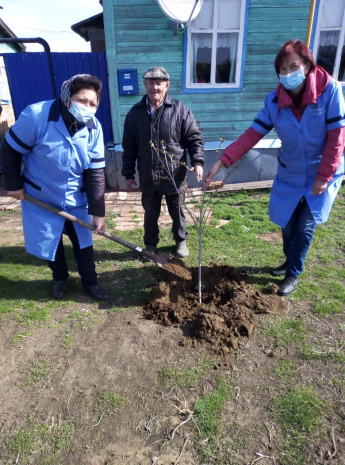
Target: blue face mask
x=81 y=113
x=292 y=80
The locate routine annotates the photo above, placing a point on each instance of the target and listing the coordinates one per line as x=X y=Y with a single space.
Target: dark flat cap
x=156 y=72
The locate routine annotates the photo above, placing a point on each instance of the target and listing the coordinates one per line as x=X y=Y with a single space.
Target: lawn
x=98 y=383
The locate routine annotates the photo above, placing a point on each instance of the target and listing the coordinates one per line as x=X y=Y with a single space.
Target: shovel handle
x=76 y=220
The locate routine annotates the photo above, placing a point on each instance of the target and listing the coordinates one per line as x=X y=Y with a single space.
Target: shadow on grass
x=28 y=278
x=262 y=277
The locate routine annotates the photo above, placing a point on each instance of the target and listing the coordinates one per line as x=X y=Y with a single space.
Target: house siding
x=144 y=37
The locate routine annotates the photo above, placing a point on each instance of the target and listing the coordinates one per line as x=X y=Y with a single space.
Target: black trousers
x=84 y=258
x=152 y=206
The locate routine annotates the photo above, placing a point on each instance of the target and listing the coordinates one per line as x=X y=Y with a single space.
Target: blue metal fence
x=31 y=80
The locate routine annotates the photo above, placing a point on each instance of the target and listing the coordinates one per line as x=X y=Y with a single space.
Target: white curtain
x=199 y=41
x=328 y=38
x=229 y=43
x=226 y=49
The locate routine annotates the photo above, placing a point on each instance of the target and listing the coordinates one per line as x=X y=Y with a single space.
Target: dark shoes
x=290 y=282
x=288 y=285
x=181 y=249
x=149 y=248
x=280 y=270
x=96 y=292
x=59 y=289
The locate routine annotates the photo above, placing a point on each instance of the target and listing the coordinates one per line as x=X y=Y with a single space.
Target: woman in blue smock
x=60 y=143
x=307 y=112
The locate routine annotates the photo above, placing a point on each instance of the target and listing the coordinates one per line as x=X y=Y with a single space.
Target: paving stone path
x=124 y=208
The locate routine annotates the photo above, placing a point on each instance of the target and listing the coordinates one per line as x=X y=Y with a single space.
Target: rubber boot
x=181 y=249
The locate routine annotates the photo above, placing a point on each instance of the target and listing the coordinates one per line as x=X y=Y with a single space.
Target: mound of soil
x=228 y=308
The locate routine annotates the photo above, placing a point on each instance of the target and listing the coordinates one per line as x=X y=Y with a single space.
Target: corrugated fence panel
x=66 y=65
x=30 y=79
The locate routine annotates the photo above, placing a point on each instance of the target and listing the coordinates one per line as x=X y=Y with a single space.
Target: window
x=329 y=47
x=215 y=46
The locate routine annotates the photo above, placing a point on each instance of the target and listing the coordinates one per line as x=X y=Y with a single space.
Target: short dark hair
x=86 y=81
x=289 y=48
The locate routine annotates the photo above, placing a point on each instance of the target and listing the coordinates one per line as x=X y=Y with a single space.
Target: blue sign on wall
x=128 y=81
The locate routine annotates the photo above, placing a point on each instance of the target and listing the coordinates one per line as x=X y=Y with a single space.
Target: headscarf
x=65 y=89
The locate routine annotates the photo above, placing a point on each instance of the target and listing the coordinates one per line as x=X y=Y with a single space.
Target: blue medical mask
x=292 y=80
x=81 y=113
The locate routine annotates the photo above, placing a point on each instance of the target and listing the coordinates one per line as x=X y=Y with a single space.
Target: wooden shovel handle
x=89 y=226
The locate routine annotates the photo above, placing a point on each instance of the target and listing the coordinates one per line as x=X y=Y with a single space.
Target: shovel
x=159 y=259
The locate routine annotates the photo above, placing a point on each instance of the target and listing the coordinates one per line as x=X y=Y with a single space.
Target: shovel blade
x=159 y=258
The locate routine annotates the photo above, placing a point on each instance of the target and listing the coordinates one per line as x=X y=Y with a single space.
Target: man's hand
x=130 y=184
x=198 y=173
x=19 y=195
x=319 y=187
x=99 y=223
x=212 y=172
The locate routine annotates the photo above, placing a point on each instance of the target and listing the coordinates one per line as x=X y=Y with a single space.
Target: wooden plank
x=124 y=3
x=147 y=58
x=151 y=11
x=281 y=3
x=240 y=186
x=280 y=15
x=148 y=46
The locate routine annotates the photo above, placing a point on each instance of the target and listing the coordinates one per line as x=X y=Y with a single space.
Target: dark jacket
x=173 y=125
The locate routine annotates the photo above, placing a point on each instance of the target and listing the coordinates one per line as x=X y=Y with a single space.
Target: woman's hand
x=319 y=187
x=99 y=223
x=19 y=195
x=212 y=172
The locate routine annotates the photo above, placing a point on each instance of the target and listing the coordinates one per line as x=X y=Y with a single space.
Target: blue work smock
x=53 y=166
x=302 y=145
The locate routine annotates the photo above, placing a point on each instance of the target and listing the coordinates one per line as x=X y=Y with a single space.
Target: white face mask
x=81 y=113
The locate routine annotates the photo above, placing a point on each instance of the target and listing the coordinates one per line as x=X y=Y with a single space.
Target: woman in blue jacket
x=61 y=145
x=307 y=111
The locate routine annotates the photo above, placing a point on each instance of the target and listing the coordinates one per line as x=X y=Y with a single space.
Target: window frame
x=237 y=86
x=316 y=38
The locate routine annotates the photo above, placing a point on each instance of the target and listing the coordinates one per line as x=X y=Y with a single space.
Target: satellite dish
x=181 y=11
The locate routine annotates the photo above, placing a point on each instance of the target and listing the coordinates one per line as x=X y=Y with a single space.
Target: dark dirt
x=227 y=310
x=177 y=268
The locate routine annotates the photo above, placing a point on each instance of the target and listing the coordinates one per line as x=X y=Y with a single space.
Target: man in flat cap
x=156 y=129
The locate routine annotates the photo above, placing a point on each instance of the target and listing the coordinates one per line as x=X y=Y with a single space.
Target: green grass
x=300 y=410
x=67 y=340
x=208 y=409
x=310 y=352
x=284 y=369
x=177 y=377
x=41 y=443
x=109 y=402
x=286 y=332
x=207 y=414
x=237 y=243
x=300 y=413
x=41 y=372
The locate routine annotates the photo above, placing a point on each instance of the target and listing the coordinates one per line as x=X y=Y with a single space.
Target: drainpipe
x=310 y=21
x=36 y=40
